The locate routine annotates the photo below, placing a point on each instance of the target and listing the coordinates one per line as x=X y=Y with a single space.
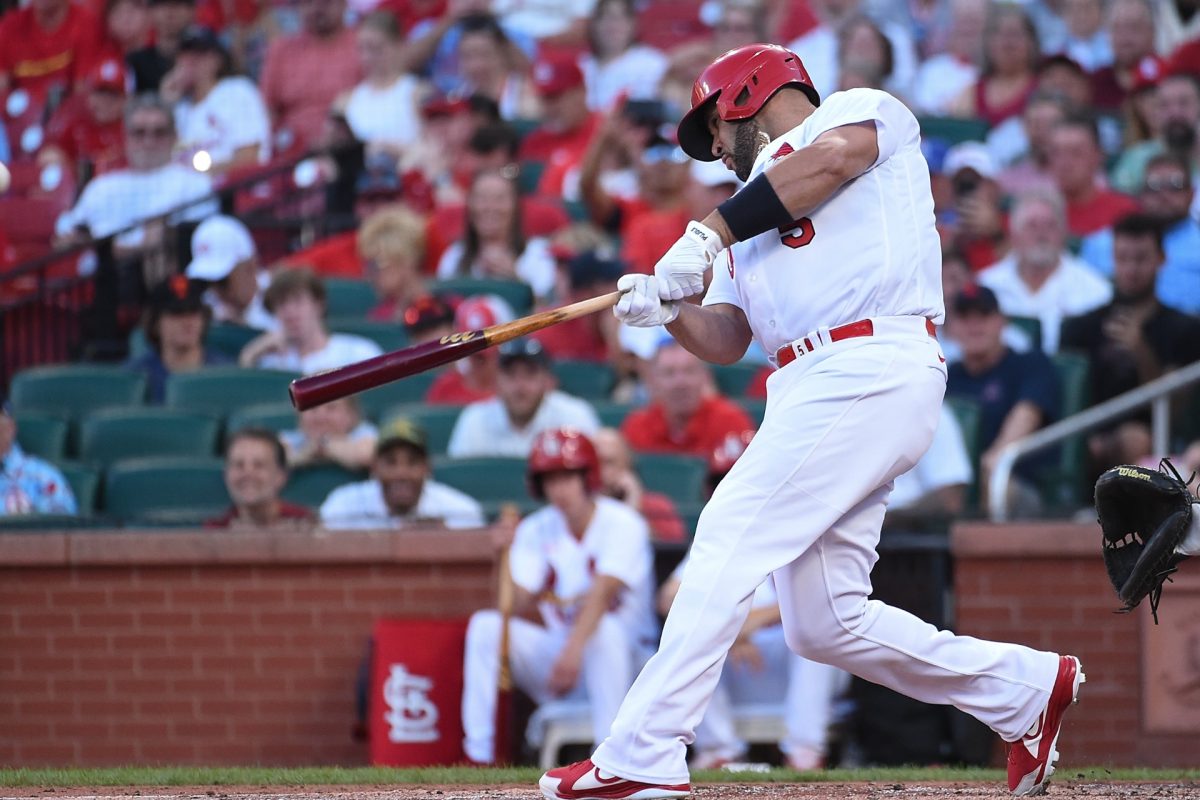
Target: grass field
x=465 y=776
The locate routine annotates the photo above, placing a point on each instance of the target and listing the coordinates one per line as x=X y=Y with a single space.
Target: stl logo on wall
x=411 y=715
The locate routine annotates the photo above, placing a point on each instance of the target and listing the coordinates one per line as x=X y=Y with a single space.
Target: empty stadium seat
x=310 y=485
x=347 y=297
x=375 y=403
x=42 y=435
x=485 y=479
x=732 y=379
x=953 y=130
x=966 y=412
x=1031 y=326
x=74 y=390
x=119 y=433
x=388 y=335
x=679 y=477
x=272 y=416
x=587 y=379
x=223 y=390
x=517 y=294
x=165 y=489
x=612 y=414
x=84 y=480
x=1067 y=491
x=755 y=409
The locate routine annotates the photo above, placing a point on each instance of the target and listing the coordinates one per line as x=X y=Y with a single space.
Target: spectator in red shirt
x=1075 y=162
x=168 y=19
x=255 y=474
x=473 y=378
x=593 y=337
x=391 y=244
x=619 y=481
x=86 y=135
x=1131 y=32
x=303 y=74
x=725 y=455
x=567 y=125
x=686 y=414
x=46 y=45
x=662 y=184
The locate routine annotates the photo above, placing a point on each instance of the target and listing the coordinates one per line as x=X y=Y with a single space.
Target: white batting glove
x=680 y=271
x=640 y=305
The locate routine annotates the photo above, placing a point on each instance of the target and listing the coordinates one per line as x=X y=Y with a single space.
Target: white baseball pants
x=809 y=690
x=606 y=675
x=806 y=502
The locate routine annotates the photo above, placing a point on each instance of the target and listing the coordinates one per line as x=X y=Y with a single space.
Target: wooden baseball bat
x=504 y=739
x=333 y=384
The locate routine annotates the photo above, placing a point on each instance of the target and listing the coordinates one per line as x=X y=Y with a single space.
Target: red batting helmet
x=740 y=82
x=562 y=449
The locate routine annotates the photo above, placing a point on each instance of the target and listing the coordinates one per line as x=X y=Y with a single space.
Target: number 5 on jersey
x=798 y=233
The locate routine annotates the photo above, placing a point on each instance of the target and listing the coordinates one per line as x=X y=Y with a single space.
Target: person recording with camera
x=974 y=218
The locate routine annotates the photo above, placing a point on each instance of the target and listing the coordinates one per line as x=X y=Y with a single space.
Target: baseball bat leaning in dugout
x=504 y=737
x=369 y=373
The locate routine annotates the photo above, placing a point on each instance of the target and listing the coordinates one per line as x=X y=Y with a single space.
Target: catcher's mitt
x=1144 y=515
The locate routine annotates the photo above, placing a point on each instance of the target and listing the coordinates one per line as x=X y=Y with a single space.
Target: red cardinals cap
x=554 y=75
x=427 y=311
x=562 y=449
x=443 y=105
x=107 y=75
x=727 y=452
x=482 y=311
x=1148 y=72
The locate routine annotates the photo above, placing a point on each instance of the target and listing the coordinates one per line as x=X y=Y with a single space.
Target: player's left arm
x=599 y=599
x=805 y=179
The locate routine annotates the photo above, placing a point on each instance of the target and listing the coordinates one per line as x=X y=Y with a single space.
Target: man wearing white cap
x=974 y=218
x=224 y=256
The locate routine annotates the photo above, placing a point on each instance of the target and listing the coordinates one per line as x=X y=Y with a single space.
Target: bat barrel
x=324 y=387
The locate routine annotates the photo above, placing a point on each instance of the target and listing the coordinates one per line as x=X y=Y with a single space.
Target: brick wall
x=218 y=648
x=1044 y=585
x=207 y=648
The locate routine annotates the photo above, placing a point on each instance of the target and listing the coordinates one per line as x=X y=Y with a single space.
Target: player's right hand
x=680 y=271
x=640 y=305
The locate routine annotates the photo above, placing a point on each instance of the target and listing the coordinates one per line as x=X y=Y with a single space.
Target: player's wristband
x=755 y=209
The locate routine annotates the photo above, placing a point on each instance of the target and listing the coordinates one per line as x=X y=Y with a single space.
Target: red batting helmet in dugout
x=740 y=82
x=562 y=449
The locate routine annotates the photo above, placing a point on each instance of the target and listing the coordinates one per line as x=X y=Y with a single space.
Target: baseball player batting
x=828 y=257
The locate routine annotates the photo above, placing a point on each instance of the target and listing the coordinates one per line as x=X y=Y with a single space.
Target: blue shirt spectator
x=29 y=485
x=1167 y=194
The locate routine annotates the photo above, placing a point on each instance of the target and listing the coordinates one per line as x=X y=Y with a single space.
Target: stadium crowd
x=508 y=155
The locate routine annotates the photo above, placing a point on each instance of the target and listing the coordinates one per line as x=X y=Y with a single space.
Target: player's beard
x=748 y=142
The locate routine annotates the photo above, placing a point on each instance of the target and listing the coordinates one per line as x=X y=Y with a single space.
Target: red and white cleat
x=583 y=780
x=1031 y=759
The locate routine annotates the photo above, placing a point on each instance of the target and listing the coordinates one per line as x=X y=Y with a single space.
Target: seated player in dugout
x=582 y=622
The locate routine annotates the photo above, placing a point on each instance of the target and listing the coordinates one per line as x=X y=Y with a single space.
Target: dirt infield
x=779 y=791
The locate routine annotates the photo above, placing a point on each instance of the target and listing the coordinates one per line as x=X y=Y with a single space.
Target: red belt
x=851 y=330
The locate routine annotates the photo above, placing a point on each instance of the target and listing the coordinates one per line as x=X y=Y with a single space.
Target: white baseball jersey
x=871 y=250
x=548 y=561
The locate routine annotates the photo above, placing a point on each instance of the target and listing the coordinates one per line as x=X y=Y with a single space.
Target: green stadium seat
x=49 y=522
x=348 y=297
x=43 y=435
x=612 y=414
x=275 y=417
x=953 y=130
x=84 y=480
x=310 y=485
x=966 y=412
x=223 y=390
x=525 y=506
x=524 y=125
x=530 y=175
x=165 y=489
x=388 y=335
x=137 y=344
x=74 y=390
x=485 y=479
x=577 y=210
x=679 y=477
x=1068 y=489
x=690 y=514
x=755 y=409
x=1031 y=326
x=229 y=339
x=587 y=379
x=517 y=294
x=438 y=422
x=120 y=433
x=733 y=379
x=375 y=403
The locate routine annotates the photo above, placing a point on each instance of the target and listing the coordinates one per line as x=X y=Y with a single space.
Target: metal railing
x=1154 y=394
